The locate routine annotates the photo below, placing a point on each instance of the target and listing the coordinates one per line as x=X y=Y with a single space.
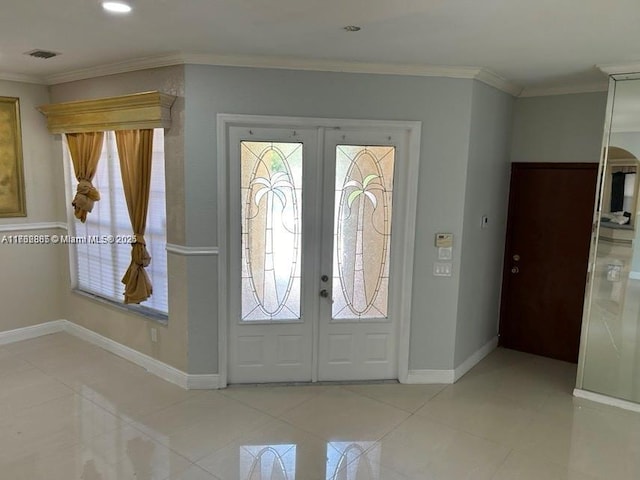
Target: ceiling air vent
x=42 y=54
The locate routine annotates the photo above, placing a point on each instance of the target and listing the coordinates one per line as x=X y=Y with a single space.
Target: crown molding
x=619 y=68
x=323 y=65
x=132 y=65
x=494 y=80
x=19 y=77
x=564 y=90
x=287 y=63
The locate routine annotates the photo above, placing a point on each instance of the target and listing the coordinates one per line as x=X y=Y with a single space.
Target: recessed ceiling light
x=352 y=28
x=116 y=7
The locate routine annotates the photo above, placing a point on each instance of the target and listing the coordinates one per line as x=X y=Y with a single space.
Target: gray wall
x=29 y=272
x=442 y=105
x=559 y=128
x=122 y=326
x=487 y=191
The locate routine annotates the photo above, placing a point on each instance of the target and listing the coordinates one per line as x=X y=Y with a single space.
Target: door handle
x=515 y=270
x=324 y=293
x=324 y=278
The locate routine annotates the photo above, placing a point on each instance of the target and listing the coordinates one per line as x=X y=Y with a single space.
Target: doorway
x=320 y=220
x=546 y=257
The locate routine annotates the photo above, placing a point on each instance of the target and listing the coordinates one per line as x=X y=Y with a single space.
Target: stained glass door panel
x=271 y=196
x=362 y=231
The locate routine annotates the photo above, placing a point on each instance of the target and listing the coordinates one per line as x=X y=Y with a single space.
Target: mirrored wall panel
x=610 y=360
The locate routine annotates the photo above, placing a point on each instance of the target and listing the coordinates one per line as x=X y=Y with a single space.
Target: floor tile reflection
x=71 y=411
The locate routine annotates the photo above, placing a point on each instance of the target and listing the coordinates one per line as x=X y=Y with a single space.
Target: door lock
x=515 y=270
x=324 y=278
x=324 y=293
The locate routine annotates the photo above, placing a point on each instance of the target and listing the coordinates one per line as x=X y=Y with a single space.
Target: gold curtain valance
x=126 y=112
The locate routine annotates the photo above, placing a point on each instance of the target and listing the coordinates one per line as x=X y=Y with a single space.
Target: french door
x=313 y=274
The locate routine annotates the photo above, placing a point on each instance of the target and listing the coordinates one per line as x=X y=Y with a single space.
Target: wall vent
x=42 y=54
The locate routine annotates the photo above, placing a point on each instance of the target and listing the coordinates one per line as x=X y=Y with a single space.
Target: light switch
x=442 y=269
x=445 y=253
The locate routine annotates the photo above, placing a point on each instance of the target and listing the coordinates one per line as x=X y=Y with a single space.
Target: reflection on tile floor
x=71 y=411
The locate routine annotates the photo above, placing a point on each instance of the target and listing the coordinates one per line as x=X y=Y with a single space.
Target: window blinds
x=100 y=267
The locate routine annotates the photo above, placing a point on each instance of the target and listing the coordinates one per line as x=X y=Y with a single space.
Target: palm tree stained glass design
x=271 y=181
x=362 y=231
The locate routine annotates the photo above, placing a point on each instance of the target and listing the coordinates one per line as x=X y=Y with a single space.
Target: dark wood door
x=546 y=257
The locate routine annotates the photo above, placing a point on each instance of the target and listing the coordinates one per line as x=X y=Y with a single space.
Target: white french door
x=315 y=252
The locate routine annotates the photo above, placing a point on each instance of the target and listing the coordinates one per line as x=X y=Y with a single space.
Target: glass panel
x=611 y=360
x=362 y=231
x=271 y=195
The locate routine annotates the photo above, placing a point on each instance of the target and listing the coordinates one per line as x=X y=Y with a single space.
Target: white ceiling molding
x=564 y=90
x=496 y=81
x=125 y=66
x=619 y=68
x=18 y=77
x=289 y=63
x=295 y=63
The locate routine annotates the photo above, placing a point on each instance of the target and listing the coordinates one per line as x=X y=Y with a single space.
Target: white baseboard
x=452 y=376
x=203 y=382
x=606 y=400
x=430 y=376
x=475 y=358
x=34 y=331
x=152 y=365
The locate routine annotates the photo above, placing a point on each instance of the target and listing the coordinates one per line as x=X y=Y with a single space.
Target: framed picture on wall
x=12 y=198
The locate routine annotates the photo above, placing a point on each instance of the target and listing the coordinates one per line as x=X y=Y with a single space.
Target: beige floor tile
x=405 y=397
x=273 y=400
x=71 y=411
x=65 y=421
x=421 y=448
x=123 y=453
x=499 y=359
x=200 y=425
x=338 y=414
x=28 y=388
x=523 y=466
x=194 y=473
x=12 y=363
x=591 y=441
x=480 y=413
x=467 y=458
x=133 y=397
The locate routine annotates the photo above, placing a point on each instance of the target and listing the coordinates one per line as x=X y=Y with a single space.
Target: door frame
x=406 y=183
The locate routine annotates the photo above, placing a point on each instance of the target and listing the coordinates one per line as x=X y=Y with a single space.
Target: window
x=99 y=267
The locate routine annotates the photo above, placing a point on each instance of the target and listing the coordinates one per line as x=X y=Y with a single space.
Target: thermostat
x=444 y=240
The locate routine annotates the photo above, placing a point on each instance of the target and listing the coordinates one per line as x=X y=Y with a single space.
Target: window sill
x=147 y=313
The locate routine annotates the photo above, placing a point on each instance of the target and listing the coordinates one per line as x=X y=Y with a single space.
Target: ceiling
x=536 y=44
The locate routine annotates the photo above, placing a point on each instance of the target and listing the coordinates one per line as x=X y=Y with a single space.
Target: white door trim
x=412 y=129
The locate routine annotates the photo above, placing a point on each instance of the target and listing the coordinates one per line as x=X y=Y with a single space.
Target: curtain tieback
x=86 y=188
x=86 y=196
x=140 y=255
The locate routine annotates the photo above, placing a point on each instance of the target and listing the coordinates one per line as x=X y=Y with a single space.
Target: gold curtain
x=85 y=151
x=135 y=148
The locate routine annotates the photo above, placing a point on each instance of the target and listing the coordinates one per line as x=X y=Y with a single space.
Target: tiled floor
x=69 y=410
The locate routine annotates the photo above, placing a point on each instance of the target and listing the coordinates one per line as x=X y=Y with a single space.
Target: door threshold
x=311 y=384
